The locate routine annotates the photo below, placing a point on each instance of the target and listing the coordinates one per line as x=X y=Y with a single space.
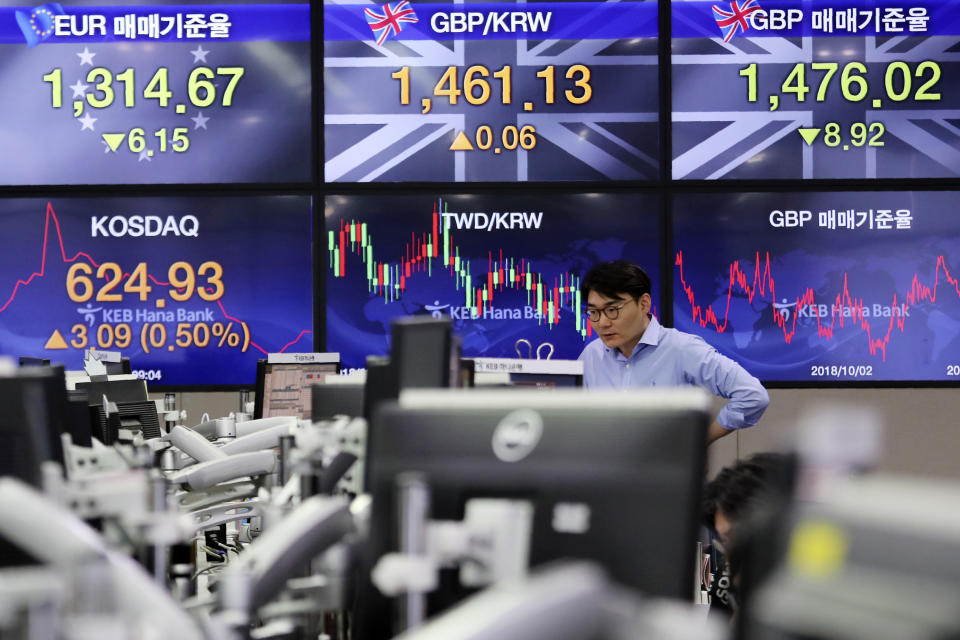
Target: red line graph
x=845 y=306
x=51 y=218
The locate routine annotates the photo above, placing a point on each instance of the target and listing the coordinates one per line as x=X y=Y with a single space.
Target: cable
x=226 y=547
x=219 y=555
x=212 y=567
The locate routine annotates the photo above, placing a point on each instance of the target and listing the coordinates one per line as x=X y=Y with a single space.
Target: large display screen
x=504 y=268
x=193 y=290
x=150 y=91
x=816 y=89
x=824 y=287
x=490 y=91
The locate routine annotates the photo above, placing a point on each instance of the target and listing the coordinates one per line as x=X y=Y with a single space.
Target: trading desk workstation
x=430 y=511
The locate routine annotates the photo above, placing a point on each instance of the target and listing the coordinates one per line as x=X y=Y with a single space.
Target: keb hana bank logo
x=388 y=20
x=734 y=19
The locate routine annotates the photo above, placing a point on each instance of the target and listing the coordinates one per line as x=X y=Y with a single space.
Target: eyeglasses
x=612 y=312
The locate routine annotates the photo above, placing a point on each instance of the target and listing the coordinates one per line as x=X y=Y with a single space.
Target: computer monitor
x=380 y=385
x=869 y=556
x=73 y=416
x=77 y=419
x=329 y=400
x=465 y=372
x=29 y=361
x=116 y=368
x=522 y=372
x=284 y=381
x=633 y=462
x=139 y=416
x=130 y=396
x=33 y=401
x=421 y=351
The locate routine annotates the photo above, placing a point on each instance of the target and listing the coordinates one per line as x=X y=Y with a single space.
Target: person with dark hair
x=738 y=495
x=634 y=350
x=740 y=487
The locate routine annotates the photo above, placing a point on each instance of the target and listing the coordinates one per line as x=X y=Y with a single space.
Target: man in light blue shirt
x=634 y=350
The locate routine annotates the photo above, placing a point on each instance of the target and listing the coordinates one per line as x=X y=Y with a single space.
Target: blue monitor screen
x=192 y=290
x=504 y=268
x=150 y=91
x=823 y=287
x=815 y=89
x=508 y=91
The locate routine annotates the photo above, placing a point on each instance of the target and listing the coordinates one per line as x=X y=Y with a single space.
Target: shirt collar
x=651 y=336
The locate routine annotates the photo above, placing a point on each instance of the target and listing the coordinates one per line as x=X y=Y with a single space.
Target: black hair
x=739 y=488
x=614 y=278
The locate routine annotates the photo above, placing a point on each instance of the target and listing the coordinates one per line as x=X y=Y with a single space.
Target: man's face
x=624 y=331
x=723 y=527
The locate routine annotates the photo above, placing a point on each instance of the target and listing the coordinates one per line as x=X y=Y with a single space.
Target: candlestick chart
x=502 y=268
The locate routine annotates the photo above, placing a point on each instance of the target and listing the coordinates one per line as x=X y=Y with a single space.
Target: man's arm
x=715 y=432
x=726 y=378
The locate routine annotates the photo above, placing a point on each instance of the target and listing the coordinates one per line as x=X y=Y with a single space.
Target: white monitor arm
x=262 y=570
x=55 y=536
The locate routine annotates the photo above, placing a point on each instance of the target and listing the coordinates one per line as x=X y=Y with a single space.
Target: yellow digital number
x=236 y=73
x=849 y=79
x=200 y=79
x=831 y=134
x=137 y=282
x=201 y=335
x=56 y=84
x=161 y=136
x=528 y=138
x=503 y=75
x=104 y=87
x=136 y=140
x=80 y=339
x=796 y=82
x=113 y=280
x=547 y=74
x=184 y=336
x=124 y=335
x=73 y=280
x=214 y=279
x=447 y=85
x=404 y=77
x=831 y=69
x=157 y=335
x=510 y=137
x=858 y=134
x=583 y=83
x=934 y=69
x=470 y=82
x=888 y=81
x=105 y=336
x=750 y=73
x=180 y=140
x=484 y=137
x=157 y=89
x=177 y=283
x=127 y=78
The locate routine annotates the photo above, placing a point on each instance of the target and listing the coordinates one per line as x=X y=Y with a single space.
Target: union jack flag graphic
x=734 y=140
x=730 y=21
x=613 y=137
x=391 y=20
